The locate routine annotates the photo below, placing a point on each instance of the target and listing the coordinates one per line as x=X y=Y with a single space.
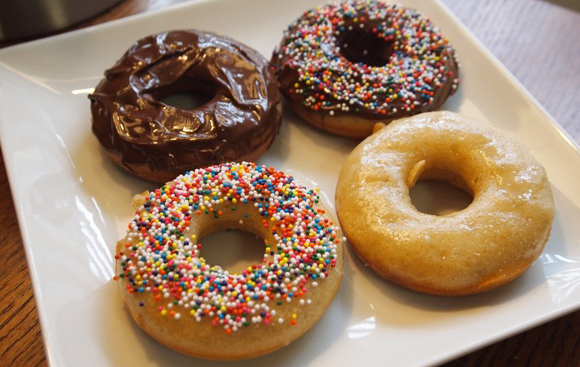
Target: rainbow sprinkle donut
x=346 y=66
x=203 y=310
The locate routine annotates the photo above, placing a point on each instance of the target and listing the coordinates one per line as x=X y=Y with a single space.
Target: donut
x=157 y=141
x=345 y=66
x=489 y=243
x=203 y=310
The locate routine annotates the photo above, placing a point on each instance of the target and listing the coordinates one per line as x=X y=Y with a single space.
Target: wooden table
x=538 y=41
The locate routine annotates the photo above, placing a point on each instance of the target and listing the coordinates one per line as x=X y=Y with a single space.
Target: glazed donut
x=203 y=310
x=492 y=241
x=345 y=66
x=156 y=141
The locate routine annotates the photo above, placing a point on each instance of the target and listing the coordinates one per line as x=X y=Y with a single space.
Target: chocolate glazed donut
x=156 y=141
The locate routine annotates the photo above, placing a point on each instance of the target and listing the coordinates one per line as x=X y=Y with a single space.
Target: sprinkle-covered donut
x=157 y=141
x=348 y=65
x=205 y=311
x=489 y=243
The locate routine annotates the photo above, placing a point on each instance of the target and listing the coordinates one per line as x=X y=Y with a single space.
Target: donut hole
x=187 y=100
x=233 y=250
x=439 y=197
x=440 y=192
x=359 y=46
x=186 y=95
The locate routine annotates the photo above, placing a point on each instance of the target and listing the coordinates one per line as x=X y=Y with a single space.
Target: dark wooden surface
x=538 y=41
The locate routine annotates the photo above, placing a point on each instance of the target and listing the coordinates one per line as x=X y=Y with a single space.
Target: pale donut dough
x=492 y=241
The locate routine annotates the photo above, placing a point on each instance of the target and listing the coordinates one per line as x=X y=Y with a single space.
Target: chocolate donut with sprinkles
x=345 y=66
x=205 y=311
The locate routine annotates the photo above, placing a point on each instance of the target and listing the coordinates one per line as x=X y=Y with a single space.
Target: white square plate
x=73 y=203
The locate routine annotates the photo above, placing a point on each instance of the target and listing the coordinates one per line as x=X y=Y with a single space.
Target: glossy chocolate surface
x=131 y=121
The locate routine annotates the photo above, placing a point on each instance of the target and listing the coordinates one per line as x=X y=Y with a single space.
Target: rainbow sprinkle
x=421 y=63
x=161 y=257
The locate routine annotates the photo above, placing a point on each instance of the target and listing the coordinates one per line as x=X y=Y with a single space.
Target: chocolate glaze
x=360 y=36
x=242 y=114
